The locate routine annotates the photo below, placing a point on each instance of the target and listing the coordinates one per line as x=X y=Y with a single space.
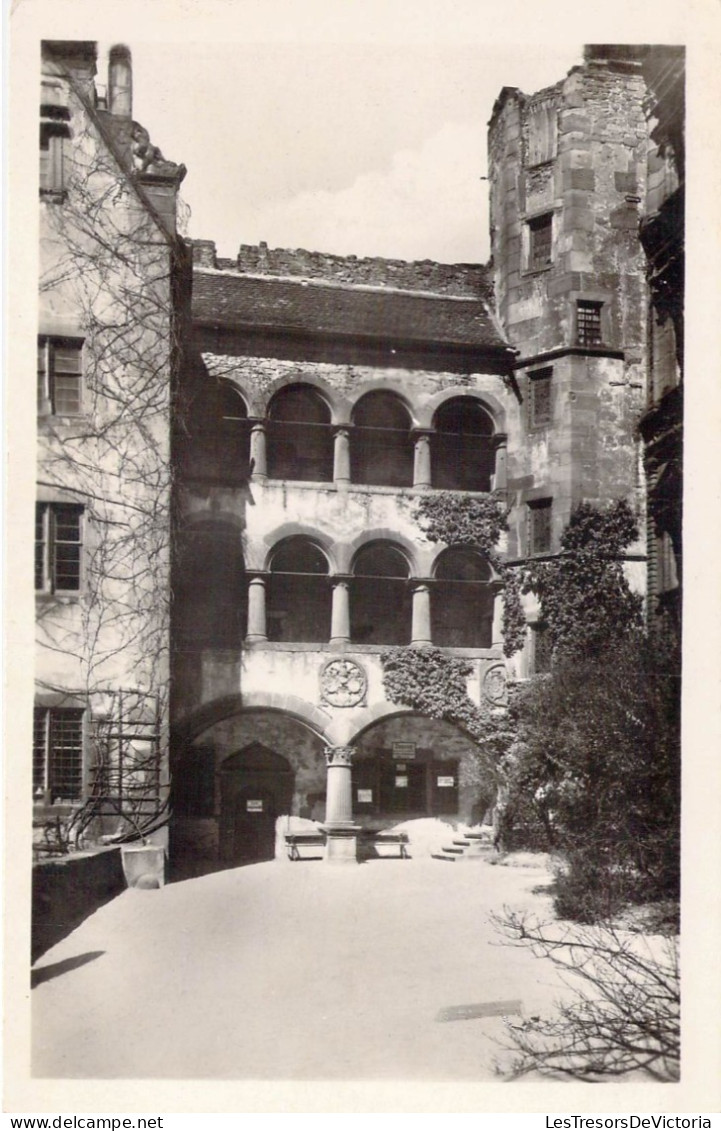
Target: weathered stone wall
x=66 y=890
x=469 y=279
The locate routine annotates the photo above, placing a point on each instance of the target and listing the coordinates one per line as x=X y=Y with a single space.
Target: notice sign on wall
x=406 y=751
x=253 y=806
x=446 y=783
x=402 y=781
x=365 y=796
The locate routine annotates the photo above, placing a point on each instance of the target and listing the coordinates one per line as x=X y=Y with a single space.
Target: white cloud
x=430 y=204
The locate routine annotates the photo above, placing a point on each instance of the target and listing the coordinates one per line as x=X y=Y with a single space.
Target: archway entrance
x=256 y=785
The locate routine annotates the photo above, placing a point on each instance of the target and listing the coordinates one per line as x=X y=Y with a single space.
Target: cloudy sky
x=354 y=148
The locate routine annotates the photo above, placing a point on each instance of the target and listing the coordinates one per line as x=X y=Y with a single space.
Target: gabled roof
x=311 y=307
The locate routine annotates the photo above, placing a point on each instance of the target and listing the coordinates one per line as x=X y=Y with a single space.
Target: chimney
x=120 y=82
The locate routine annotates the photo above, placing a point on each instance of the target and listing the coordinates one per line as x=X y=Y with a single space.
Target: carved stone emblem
x=343 y=683
x=494 y=684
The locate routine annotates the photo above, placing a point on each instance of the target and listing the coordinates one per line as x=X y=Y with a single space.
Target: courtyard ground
x=293 y=971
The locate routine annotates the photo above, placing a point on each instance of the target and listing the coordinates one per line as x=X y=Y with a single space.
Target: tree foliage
x=585 y=598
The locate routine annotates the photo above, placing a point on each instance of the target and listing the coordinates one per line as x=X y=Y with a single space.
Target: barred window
x=60 y=375
x=588 y=323
x=539 y=390
x=539 y=527
x=58 y=547
x=57 y=754
x=542 y=650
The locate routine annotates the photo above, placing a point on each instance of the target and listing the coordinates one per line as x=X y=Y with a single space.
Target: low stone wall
x=68 y=889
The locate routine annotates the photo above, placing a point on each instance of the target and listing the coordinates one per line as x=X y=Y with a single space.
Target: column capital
x=339 y=755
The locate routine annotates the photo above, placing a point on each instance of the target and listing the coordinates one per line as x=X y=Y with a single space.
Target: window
x=380 y=602
x=299 y=603
x=539 y=527
x=539 y=397
x=300 y=437
x=54 y=129
x=462 y=450
x=381 y=444
x=57 y=754
x=540 y=231
x=58 y=547
x=541 y=656
x=60 y=375
x=588 y=323
x=462 y=600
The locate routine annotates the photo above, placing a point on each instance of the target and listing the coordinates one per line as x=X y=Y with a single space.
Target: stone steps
x=466 y=846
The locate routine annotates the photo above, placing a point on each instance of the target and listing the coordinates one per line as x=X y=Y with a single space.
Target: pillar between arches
x=341 y=834
x=422 y=460
x=341 y=455
x=340 y=611
x=421 y=614
x=257 y=629
x=258 y=452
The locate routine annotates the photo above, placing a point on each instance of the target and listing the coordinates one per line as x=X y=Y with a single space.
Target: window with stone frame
x=588 y=323
x=539 y=527
x=539 y=397
x=58 y=547
x=540 y=242
x=60 y=375
x=57 y=754
x=54 y=130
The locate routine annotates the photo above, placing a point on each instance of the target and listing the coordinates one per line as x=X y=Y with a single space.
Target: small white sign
x=254 y=806
x=402 y=782
x=446 y=783
x=365 y=796
x=406 y=751
x=401 y=767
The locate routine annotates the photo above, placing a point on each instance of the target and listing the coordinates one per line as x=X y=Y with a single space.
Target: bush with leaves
x=621 y=1016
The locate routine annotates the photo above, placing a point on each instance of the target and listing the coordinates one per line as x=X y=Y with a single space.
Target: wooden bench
x=295 y=841
x=399 y=839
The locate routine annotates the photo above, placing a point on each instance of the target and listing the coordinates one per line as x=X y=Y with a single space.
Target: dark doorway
x=256 y=787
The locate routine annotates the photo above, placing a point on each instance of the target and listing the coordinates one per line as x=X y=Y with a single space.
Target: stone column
x=341 y=834
x=497 y=630
x=340 y=615
x=341 y=455
x=258 y=449
x=422 y=460
x=500 y=479
x=421 y=618
x=256 y=609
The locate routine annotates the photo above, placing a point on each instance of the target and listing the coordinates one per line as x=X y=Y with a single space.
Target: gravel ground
x=292 y=971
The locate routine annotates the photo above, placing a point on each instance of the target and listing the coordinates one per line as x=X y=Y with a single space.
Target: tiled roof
x=228 y=299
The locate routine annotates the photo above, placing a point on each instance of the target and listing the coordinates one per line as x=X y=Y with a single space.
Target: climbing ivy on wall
x=585 y=598
x=436 y=684
x=478 y=522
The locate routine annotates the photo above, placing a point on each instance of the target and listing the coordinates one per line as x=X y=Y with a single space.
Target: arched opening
x=462 y=600
x=217 y=444
x=410 y=767
x=300 y=437
x=462 y=452
x=380 y=607
x=381 y=444
x=210 y=594
x=299 y=599
x=256 y=786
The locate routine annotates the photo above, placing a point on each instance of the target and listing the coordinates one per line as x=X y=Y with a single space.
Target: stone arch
x=338 y=405
x=386 y=386
x=299 y=428
x=381 y=439
x=299 y=596
x=298 y=530
x=488 y=401
x=349 y=551
x=203 y=718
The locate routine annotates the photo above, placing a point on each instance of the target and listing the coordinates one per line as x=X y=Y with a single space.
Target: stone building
x=305 y=408
x=662 y=235
x=323 y=397
x=107 y=347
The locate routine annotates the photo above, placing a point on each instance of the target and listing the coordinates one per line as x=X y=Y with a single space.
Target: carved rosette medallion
x=343 y=683
x=494 y=685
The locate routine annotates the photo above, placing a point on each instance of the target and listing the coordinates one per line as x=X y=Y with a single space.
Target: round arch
x=338 y=405
x=203 y=718
x=382 y=446
x=488 y=401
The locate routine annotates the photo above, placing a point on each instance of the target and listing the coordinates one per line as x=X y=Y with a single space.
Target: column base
x=341 y=844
